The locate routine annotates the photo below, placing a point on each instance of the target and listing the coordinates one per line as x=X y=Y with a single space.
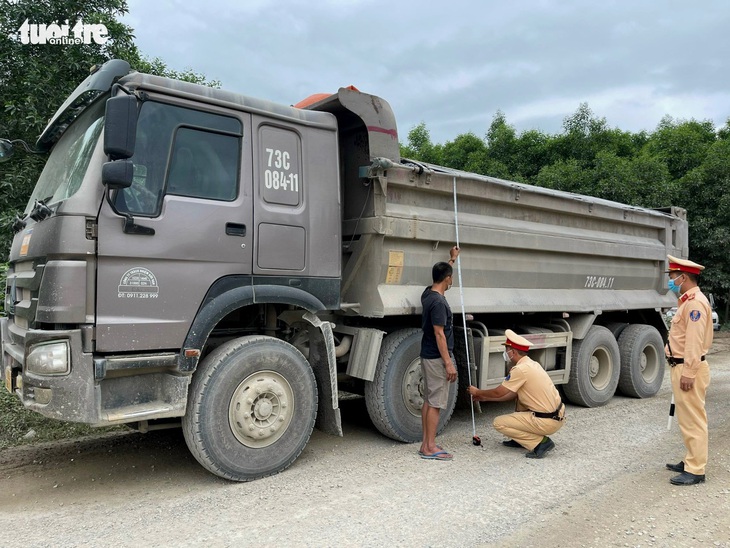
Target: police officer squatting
x=539 y=410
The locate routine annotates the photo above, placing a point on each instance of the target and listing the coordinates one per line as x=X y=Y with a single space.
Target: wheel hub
x=595 y=366
x=412 y=389
x=600 y=368
x=650 y=363
x=261 y=409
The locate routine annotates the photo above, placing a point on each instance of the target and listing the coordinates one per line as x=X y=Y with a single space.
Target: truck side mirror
x=6 y=149
x=117 y=174
x=120 y=127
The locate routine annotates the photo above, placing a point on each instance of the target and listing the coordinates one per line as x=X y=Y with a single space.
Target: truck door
x=191 y=197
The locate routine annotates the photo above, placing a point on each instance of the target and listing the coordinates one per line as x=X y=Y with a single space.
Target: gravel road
x=603 y=485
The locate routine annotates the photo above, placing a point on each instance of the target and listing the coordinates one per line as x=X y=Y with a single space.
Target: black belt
x=555 y=415
x=678 y=361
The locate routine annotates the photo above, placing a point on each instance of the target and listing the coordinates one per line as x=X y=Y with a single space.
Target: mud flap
x=323 y=362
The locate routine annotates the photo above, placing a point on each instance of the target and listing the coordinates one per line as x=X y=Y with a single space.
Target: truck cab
x=169 y=219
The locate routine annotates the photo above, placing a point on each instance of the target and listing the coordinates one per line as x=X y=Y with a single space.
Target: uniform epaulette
x=687 y=297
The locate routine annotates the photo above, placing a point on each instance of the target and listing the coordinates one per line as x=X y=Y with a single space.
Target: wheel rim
x=600 y=368
x=413 y=388
x=261 y=409
x=649 y=363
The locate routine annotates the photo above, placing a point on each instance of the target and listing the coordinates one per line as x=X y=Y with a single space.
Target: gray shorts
x=435 y=382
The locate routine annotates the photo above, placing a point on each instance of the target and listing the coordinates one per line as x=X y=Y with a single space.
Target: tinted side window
x=203 y=165
x=163 y=132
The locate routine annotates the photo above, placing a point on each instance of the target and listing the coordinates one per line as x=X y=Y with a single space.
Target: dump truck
x=195 y=257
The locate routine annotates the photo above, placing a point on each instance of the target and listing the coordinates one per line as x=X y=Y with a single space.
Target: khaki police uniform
x=690 y=339
x=539 y=409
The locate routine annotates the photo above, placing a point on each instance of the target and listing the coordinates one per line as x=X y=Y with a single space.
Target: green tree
x=533 y=151
x=585 y=136
x=158 y=67
x=681 y=144
x=705 y=193
x=566 y=175
x=652 y=184
x=35 y=79
x=611 y=178
x=420 y=147
x=466 y=153
x=724 y=132
x=501 y=139
x=579 y=131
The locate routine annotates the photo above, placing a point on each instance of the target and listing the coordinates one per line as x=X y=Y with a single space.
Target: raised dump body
x=198 y=257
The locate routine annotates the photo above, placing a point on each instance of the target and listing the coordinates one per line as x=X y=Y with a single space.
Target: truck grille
x=21 y=293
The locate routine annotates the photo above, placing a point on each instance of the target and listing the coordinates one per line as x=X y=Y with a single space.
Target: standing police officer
x=690 y=338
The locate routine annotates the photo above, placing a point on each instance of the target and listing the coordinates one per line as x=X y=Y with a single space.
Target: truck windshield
x=67 y=164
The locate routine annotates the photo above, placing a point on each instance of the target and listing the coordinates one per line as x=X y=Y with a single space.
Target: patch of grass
x=16 y=422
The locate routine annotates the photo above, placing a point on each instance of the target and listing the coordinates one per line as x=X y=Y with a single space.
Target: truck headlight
x=48 y=359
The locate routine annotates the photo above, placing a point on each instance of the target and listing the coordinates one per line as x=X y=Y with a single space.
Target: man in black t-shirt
x=437 y=360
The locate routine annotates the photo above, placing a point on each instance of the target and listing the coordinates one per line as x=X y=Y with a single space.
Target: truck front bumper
x=94 y=390
x=70 y=396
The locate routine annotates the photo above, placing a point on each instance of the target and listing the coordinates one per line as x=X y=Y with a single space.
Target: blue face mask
x=673 y=287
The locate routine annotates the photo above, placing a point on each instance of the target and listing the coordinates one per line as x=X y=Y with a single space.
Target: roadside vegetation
x=19 y=426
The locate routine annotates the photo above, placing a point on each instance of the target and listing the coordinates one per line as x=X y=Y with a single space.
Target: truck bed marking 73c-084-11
x=599 y=282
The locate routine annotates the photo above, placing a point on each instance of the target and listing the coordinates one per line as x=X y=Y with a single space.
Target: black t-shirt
x=436 y=311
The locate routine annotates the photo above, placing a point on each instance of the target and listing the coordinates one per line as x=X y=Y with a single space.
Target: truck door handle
x=235 y=229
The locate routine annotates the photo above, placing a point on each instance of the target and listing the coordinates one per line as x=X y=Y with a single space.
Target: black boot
x=679 y=467
x=539 y=451
x=511 y=443
x=686 y=478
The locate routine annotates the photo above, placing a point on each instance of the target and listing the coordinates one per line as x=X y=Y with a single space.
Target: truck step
x=155 y=409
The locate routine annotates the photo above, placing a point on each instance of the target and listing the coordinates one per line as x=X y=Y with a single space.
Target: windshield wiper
x=18 y=224
x=40 y=211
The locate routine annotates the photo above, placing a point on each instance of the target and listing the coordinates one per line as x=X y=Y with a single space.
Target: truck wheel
x=642 y=361
x=251 y=408
x=616 y=328
x=594 y=368
x=395 y=396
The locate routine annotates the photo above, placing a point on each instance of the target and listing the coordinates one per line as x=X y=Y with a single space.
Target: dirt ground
x=604 y=485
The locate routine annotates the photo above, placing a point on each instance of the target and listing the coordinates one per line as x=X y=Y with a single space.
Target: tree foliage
x=35 y=79
x=420 y=147
x=685 y=163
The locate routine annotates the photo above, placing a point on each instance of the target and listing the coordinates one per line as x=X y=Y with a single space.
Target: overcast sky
x=453 y=63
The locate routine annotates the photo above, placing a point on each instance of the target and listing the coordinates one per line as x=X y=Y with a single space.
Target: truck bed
x=524 y=248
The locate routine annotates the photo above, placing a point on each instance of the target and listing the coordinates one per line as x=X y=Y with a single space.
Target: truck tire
x=395 y=396
x=594 y=369
x=642 y=361
x=616 y=328
x=251 y=408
